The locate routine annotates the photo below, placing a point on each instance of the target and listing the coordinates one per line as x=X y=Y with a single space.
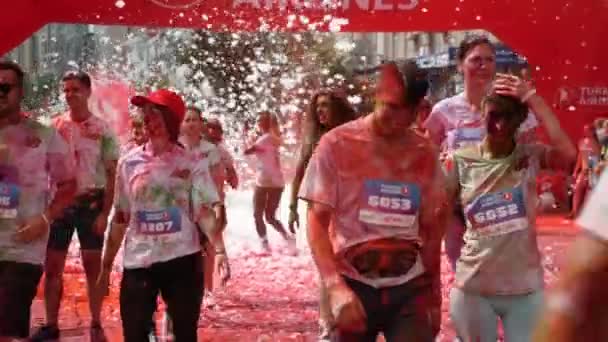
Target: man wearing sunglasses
x=30 y=155
x=95 y=152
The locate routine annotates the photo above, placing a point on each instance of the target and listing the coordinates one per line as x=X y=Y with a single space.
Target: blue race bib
x=464 y=136
x=9 y=200
x=498 y=213
x=391 y=204
x=159 y=222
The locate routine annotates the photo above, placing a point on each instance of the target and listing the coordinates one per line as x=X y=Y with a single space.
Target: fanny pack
x=388 y=261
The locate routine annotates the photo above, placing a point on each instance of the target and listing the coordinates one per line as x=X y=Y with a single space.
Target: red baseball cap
x=163 y=97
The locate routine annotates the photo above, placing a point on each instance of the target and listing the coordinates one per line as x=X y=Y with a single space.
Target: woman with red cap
x=377 y=211
x=163 y=202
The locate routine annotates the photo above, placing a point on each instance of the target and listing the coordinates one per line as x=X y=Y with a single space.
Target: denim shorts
x=79 y=217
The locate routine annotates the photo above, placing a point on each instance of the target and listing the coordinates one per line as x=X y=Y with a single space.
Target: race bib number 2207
x=498 y=213
x=391 y=204
x=159 y=222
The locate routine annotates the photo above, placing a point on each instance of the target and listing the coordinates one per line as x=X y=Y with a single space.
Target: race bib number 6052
x=392 y=204
x=498 y=213
x=159 y=222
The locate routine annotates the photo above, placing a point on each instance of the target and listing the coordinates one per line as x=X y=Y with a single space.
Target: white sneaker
x=265 y=246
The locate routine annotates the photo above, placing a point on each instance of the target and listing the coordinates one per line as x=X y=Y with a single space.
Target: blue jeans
x=475 y=317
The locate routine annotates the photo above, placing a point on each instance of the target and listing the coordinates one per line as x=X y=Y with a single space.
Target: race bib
x=159 y=222
x=498 y=213
x=390 y=204
x=9 y=200
x=464 y=136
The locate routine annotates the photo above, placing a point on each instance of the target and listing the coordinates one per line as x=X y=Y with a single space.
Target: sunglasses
x=6 y=87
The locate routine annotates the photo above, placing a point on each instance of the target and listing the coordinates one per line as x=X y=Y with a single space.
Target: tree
x=251 y=72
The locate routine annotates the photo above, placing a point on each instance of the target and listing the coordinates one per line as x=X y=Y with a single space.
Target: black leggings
x=180 y=283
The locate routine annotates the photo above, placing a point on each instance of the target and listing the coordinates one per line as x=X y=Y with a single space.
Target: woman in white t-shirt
x=457 y=122
x=269 y=183
x=163 y=200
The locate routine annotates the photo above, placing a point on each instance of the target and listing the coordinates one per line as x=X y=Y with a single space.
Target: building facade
x=436 y=52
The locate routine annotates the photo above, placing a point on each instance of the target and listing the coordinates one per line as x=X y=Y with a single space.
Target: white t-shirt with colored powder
x=268 y=164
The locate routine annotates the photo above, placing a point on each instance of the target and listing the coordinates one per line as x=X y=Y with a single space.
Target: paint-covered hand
x=33 y=229
x=294 y=221
x=511 y=85
x=346 y=308
x=101 y=224
x=223 y=267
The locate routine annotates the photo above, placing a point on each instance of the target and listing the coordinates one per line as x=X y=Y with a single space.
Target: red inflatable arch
x=563 y=39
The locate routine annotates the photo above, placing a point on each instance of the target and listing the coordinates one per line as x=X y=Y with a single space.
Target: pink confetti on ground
x=271 y=297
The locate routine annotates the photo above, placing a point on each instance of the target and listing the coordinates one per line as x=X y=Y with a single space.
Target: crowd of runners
x=385 y=191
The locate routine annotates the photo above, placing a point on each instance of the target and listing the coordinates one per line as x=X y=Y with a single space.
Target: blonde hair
x=274 y=126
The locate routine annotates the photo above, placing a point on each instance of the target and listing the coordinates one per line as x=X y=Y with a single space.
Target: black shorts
x=81 y=217
x=18 y=285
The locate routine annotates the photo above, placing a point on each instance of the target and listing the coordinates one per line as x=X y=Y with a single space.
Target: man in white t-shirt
x=35 y=161
x=576 y=308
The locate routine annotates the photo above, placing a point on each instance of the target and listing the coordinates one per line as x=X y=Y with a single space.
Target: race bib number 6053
x=159 y=222
x=498 y=213
x=392 y=204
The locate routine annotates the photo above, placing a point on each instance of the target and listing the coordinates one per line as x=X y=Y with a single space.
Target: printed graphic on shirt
x=498 y=213
x=159 y=222
x=9 y=200
x=392 y=204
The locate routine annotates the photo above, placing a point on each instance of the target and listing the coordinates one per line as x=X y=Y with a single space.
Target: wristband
x=46 y=219
x=528 y=95
x=220 y=252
